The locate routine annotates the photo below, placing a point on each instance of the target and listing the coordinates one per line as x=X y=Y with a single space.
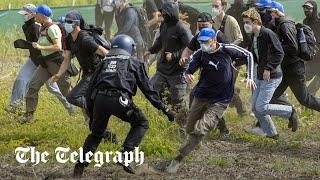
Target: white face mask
x=117 y=3
x=27 y=17
x=248 y=28
x=107 y=5
x=215 y=12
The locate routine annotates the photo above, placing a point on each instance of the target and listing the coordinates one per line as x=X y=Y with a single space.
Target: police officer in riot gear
x=110 y=92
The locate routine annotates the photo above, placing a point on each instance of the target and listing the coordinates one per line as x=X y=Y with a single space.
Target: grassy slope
x=54 y=127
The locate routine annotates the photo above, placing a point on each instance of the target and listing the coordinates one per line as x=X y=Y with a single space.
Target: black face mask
x=265 y=17
x=308 y=14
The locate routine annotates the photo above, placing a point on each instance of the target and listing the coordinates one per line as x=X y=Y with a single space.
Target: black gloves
x=168 y=113
x=23 y=44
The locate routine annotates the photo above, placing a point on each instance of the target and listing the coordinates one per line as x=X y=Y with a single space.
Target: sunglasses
x=307 y=7
x=69 y=21
x=261 y=9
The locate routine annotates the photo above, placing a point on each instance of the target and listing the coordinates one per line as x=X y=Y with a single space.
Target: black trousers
x=294 y=77
x=78 y=93
x=104 y=107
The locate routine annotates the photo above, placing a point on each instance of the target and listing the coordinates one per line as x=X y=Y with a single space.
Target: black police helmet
x=124 y=42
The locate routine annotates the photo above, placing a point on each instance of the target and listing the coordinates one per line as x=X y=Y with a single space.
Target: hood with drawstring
x=174 y=37
x=314 y=22
x=171 y=9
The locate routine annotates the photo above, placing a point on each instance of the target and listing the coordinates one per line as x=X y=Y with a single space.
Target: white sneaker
x=252 y=114
x=256 y=130
x=173 y=167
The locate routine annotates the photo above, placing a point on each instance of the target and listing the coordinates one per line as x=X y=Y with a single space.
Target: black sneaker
x=224 y=131
x=129 y=168
x=293 y=120
x=78 y=170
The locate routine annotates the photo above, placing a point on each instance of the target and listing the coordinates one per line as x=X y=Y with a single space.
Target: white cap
x=26 y=9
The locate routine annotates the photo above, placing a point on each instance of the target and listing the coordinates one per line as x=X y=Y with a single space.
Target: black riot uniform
x=111 y=89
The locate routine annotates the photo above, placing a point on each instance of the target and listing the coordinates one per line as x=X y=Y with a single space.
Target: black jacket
x=128 y=23
x=84 y=48
x=314 y=21
x=32 y=32
x=270 y=53
x=122 y=72
x=174 y=37
x=287 y=33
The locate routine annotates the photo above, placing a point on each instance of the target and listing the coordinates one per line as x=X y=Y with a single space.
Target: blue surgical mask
x=68 y=27
x=206 y=48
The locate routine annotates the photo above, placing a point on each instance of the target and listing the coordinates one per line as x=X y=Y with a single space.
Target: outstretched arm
x=235 y=52
x=146 y=87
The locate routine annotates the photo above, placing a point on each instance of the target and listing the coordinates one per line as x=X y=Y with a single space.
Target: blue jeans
x=21 y=83
x=263 y=110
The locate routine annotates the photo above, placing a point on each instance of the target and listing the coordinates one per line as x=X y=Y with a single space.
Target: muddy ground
x=215 y=159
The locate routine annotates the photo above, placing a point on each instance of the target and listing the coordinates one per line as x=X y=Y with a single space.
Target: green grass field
x=54 y=128
x=4 y=4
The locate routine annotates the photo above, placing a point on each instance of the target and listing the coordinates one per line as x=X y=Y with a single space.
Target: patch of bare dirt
x=214 y=160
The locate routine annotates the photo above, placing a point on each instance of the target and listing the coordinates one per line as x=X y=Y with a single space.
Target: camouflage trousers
x=203 y=117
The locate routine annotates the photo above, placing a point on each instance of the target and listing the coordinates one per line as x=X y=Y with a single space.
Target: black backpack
x=307 y=48
x=143 y=25
x=96 y=33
